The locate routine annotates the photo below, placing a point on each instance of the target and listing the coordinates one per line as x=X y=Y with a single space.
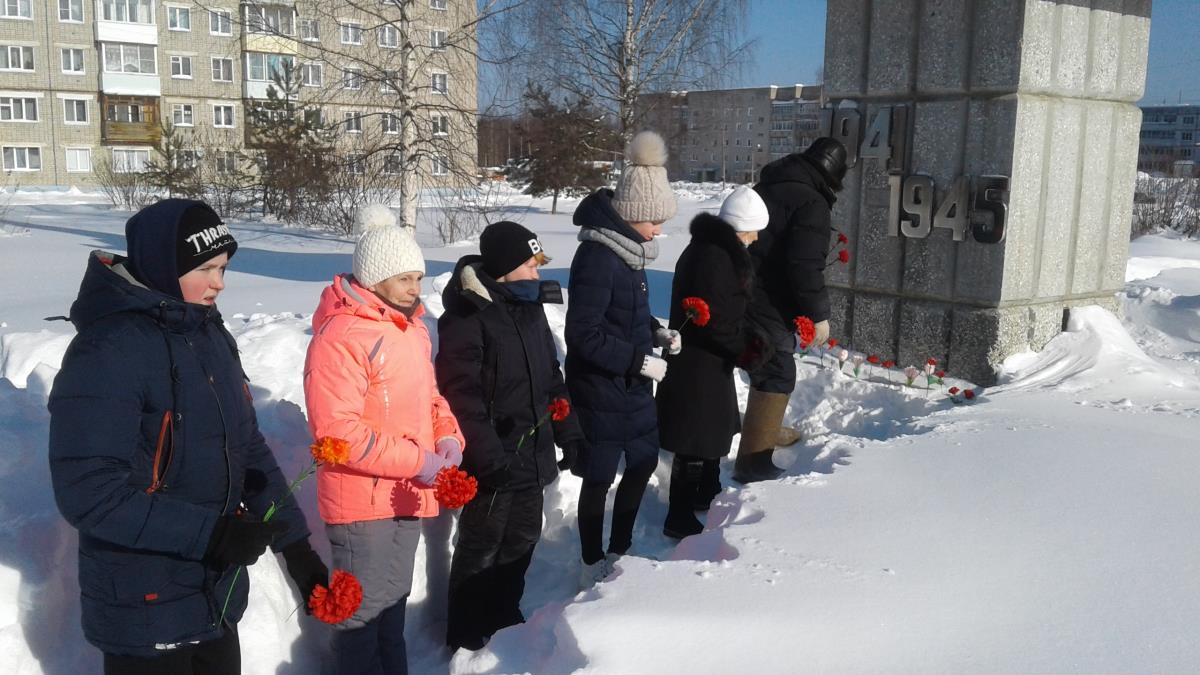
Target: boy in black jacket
x=498 y=367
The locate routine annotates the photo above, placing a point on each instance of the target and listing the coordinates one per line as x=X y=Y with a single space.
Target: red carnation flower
x=842 y=239
x=696 y=310
x=872 y=359
x=889 y=363
x=559 y=409
x=953 y=390
x=453 y=487
x=940 y=374
x=832 y=342
x=931 y=361
x=844 y=256
x=969 y=394
x=806 y=330
x=338 y=602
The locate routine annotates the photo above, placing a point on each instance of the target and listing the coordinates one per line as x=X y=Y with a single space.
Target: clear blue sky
x=791 y=46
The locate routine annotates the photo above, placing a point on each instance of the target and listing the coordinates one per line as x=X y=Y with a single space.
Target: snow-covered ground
x=1048 y=526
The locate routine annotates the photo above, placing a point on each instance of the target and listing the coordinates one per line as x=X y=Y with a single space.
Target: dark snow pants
x=214 y=657
x=497 y=532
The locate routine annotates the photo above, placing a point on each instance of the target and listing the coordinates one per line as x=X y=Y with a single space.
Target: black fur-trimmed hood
x=709 y=229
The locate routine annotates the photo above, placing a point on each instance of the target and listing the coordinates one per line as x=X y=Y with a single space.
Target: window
x=437 y=40
x=124 y=113
x=222 y=70
x=70 y=10
x=314 y=117
x=353 y=122
x=16 y=58
x=182 y=115
x=441 y=125
x=441 y=166
x=351 y=33
x=437 y=4
x=312 y=74
x=20 y=158
x=179 y=18
x=310 y=30
x=126 y=58
x=75 y=111
x=268 y=67
x=181 y=66
x=1189 y=120
x=72 y=60
x=387 y=83
x=127 y=11
x=220 y=22
x=17 y=9
x=1186 y=136
x=225 y=161
x=79 y=160
x=187 y=159
x=352 y=78
x=389 y=123
x=18 y=109
x=389 y=37
x=132 y=160
x=441 y=83
x=355 y=164
x=223 y=116
x=270 y=19
x=391 y=164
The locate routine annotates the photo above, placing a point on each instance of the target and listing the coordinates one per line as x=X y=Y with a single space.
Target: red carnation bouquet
x=327 y=450
x=696 y=310
x=339 y=601
x=807 y=330
x=453 y=487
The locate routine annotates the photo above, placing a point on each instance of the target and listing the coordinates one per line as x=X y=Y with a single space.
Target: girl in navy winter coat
x=610 y=338
x=156 y=457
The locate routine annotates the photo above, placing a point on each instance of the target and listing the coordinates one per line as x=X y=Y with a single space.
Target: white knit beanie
x=744 y=210
x=643 y=193
x=383 y=249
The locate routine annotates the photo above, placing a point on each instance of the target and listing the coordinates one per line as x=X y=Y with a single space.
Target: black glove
x=496 y=479
x=238 y=540
x=571 y=452
x=305 y=568
x=254 y=484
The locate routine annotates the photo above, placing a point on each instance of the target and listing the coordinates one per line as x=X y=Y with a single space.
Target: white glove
x=668 y=339
x=820 y=333
x=653 y=368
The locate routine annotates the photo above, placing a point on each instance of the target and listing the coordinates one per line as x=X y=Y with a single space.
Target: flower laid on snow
x=969 y=394
x=842 y=355
x=910 y=374
x=831 y=343
x=453 y=487
x=889 y=363
x=873 y=360
x=953 y=390
x=940 y=374
x=857 y=360
x=559 y=409
x=807 y=330
x=339 y=601
x=696 y=310
x=966 y=395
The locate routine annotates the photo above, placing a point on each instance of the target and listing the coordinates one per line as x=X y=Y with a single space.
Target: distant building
x=1170 y=140
x=729 y=134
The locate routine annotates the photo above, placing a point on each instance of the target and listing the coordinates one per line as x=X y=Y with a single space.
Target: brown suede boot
x=787 y=436
x=760 y=429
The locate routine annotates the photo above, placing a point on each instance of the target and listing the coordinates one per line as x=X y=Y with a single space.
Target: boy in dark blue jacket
x=156 y=457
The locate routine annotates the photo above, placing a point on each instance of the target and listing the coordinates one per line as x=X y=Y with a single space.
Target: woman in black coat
x=697 y=401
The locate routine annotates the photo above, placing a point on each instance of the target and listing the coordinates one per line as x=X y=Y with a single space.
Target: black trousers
x=625 y=509
x=215 y=657
x=497 y=533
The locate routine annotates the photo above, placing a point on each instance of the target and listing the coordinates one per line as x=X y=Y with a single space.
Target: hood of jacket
x=109 y=288
x=709 y=229
x=346 y=296
x=596 y=211
x=795 y=168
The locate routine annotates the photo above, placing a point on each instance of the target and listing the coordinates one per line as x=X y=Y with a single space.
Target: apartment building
x=83 y=82
x=1170 y=140
x=730 y=134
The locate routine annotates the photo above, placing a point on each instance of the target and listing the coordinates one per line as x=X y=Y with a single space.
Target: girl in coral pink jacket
x=369 y=380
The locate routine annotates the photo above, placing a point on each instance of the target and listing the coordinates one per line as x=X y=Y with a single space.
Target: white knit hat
x=383 y=249
x=744 y=210
x=643 y=193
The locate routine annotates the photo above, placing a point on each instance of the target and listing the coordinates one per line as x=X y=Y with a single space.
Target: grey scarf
x=635 y=254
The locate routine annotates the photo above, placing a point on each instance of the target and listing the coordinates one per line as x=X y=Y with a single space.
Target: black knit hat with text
x=200 y=237
x=505 y=246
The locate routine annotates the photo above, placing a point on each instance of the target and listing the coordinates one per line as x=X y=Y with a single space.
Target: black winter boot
x=685 y=480
x=756 y=467
x=710 y=485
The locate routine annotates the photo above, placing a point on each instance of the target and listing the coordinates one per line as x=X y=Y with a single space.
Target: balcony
x=120 y=31
x=129 y=120
x=130 y=84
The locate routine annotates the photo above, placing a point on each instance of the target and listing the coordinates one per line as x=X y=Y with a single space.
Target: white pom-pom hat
x=744 y=210
x=384 y=249
x=643 y=193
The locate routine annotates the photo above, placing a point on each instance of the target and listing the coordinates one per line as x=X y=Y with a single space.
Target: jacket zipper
x=166 y=434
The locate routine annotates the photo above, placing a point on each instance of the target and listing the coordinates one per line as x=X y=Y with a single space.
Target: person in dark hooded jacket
x=156 y=457
x=789 y=257
x=497 y=365
x=610 y=334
